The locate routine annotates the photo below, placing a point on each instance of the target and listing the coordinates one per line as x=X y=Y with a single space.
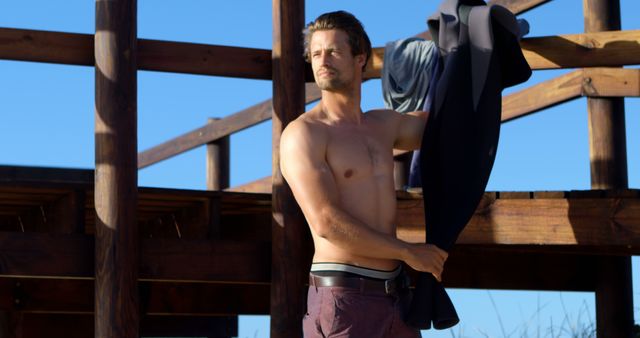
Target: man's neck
x=342 y=106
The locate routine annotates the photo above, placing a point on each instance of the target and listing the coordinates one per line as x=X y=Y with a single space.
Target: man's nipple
x=348 y=173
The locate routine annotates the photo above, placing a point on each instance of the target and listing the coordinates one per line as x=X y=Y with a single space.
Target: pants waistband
x=364 y=285
x=357 y=270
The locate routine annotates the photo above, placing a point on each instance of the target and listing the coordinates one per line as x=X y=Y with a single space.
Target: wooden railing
x=614 y=48
x=596 y=48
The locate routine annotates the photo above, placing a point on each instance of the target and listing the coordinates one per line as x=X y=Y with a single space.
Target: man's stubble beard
x=333 y=84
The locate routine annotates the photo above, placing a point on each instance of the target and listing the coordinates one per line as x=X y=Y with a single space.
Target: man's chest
x=353 y=156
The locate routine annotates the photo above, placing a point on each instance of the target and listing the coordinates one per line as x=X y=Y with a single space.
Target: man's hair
x=345 y=21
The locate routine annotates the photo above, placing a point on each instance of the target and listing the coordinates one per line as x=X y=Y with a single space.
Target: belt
x=389 y=286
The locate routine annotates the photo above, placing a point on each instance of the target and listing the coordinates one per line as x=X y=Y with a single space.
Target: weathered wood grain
x=608 y=157
x=116 y=176
x=290 y=259
x=166 y=56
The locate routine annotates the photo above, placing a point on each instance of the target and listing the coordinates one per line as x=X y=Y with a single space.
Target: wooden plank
x=290 y=259
x=205 y=134
x=514 y=195
x=571 y=214
x=215 y=130
x=166 y=56
x=192 y=58
x=611 y=82
x=592 y=49
x=576 y=222
x=568 y=51
x=30 y=254
x=43 y=46
x=541 y=96
x=25 y=173
x=590 y=82
x=157 y=298
x=602 y=49
x=467 y=267
x=204 y=261
x=608 y=157
x=262 y=185
x=479 y=268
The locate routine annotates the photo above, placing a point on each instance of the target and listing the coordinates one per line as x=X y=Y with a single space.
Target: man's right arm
x=303 y=164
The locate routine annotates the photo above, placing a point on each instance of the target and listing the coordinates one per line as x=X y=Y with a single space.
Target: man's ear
x=361 y=59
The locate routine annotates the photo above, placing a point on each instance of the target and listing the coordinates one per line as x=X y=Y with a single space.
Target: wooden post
x=289 y=265
x=218 y=162
x=218 y=179
x=116 y=175
x=608 y=154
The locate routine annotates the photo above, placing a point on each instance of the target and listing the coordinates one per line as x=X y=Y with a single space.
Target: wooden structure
x=93 y=252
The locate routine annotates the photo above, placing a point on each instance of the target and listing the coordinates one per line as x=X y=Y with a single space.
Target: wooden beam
x=166 y=56
x=589 y=82
x=482 y=268
x=542 y=96
x=611 y=82
x=26 y=174
x=290 y=259
x=116 y=178
x=33 y=295
x=215 y=130
x=192 y=58
x=610 y=222
x=552 y=52
x=207 y=133
x=30 y=254
x=576 y=222
x=602 y=49
x=600 y=82
x=262 y=185
x=592 y=49
x=467 y=267
x=43 y=46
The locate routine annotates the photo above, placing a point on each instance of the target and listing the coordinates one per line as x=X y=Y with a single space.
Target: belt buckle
x=389 y=286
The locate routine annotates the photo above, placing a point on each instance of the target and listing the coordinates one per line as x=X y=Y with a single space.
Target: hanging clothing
x=406 y=73
x=408 y=76
x=479 y=56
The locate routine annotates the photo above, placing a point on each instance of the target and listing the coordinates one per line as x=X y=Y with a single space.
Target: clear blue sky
x=47 y=120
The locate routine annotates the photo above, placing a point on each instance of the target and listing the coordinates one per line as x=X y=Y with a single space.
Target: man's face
x=334 y=67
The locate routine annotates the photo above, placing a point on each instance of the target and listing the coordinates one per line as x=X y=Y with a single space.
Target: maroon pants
x=346 y=312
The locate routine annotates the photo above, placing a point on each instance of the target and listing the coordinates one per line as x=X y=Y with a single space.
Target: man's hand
x=426 y=258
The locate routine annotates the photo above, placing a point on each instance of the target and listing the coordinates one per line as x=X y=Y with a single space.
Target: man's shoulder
x=383 y=115
x=304 y=126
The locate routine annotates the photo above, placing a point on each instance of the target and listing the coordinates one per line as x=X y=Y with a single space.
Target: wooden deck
x=208 y=253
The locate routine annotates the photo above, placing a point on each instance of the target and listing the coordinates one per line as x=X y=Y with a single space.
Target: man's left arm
x=409 y=129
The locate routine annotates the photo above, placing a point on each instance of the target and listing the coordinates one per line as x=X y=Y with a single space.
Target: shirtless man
x=339 y=164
